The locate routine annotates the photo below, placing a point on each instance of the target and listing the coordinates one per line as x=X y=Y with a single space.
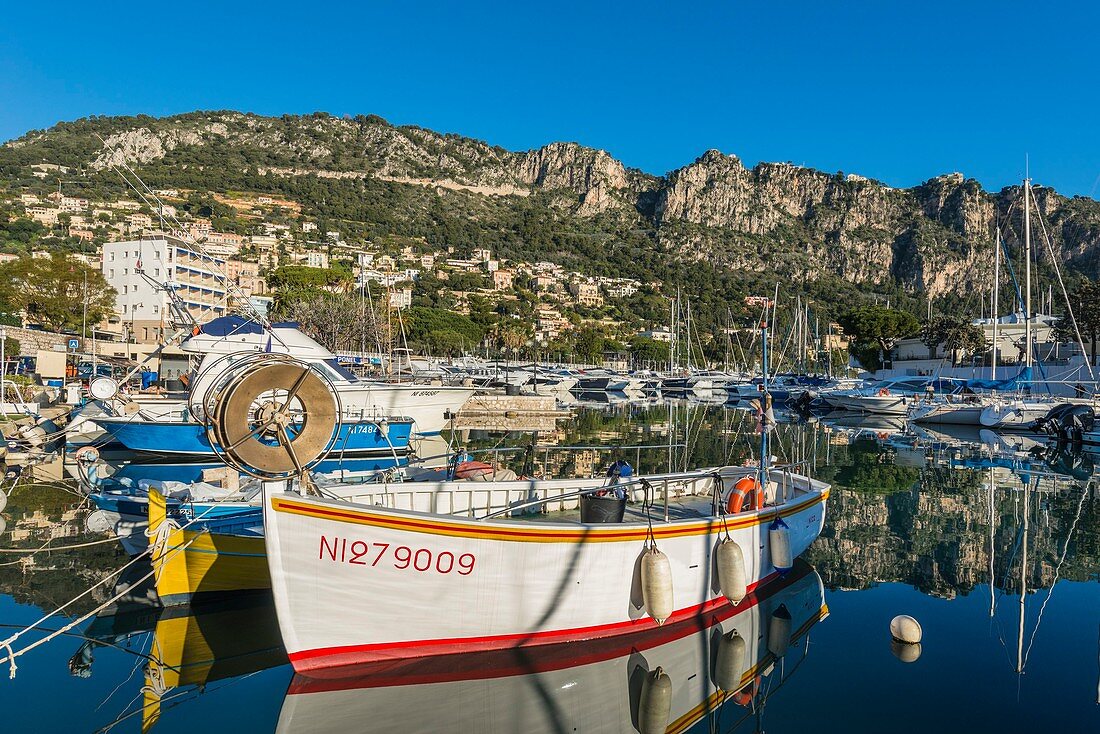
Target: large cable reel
x=272 y=416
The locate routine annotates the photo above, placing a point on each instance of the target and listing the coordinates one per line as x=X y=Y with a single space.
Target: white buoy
x=3 y=500
x=779 y=631
x=3 y=524
x=779 y=542
x=655 y=703
x=729 y=666
x=904 y=651
x=731 y=571
x=99 y=522
x=904 y=628
x=657 y=585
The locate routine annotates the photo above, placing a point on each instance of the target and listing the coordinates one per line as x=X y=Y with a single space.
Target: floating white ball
x=905 y=652
x=904 y=628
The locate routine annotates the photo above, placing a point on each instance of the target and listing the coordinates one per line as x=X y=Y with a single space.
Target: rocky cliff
x=774 y=218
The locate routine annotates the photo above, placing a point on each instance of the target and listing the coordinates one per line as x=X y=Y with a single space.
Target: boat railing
x=646 y=486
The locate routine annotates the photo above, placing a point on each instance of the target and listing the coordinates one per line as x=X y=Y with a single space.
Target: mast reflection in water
x=948 y=527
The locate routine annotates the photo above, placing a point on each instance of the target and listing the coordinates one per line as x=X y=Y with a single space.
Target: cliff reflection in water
x=938 y=528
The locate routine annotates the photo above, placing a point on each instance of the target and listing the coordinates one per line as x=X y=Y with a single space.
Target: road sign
x=74 y=344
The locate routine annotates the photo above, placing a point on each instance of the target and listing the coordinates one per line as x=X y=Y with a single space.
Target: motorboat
x=226 y=340
x=1015 y=413
x=964 y=411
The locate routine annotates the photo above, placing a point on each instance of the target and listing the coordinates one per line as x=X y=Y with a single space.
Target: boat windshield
x=335 y=371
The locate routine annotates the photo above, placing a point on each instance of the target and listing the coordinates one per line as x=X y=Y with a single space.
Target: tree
x=875 y=330
x=293 y=283
x=51 y=291
x=338 y=321
x=957 y=335
x=646 y=350
x=589 y=345
x=1086 y=310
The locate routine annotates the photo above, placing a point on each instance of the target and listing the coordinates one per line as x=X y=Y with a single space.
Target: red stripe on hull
x=330 y=657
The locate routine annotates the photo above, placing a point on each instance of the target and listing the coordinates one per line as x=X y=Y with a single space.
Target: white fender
x=779 y=631
x=904 y=628
x=655 y=703
x=657 y=585
x=99 y=522
x=729 y=668
x=3 y=500
x=732 y=580
x=779 y=542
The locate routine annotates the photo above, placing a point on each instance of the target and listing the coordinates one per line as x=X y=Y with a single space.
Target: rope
x=160 y=536
x=647 y=505
x=32 y=551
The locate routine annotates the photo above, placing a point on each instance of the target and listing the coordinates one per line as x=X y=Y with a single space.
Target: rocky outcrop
x=797 y=222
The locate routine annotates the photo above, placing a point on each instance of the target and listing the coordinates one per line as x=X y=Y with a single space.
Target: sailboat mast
x=992 y=546
x=1023 y=583
x=764 y=400
x=1027 y=258
x=996 y=296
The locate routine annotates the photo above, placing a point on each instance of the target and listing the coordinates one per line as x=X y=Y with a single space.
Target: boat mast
x=992 y=546
x=764 y=399
x=996 y=295
x=1027 y=257
x=1023 y=584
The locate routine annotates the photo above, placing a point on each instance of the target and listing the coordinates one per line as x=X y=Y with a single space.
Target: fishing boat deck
x=679 y=508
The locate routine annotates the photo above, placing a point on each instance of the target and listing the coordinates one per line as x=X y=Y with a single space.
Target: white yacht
x=225 y=340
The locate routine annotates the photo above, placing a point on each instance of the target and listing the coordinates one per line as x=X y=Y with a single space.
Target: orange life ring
x=883 y=392
x=468 y=469
x=746 y=488
x=744 y=696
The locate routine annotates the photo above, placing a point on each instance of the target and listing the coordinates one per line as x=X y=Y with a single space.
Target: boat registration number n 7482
x=401 y=557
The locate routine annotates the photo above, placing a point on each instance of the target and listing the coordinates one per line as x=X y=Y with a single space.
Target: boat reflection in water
x=191 y=647
x=663 y=679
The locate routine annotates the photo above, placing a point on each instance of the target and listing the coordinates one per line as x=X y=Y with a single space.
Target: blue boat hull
x=187 y=438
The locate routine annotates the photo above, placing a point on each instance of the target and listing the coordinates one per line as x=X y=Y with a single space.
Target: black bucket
x=511 y=389
x=595 y=509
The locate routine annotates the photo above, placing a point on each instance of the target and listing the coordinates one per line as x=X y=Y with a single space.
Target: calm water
x=928 y=525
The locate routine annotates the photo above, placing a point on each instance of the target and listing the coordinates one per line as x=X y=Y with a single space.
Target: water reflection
x=720 y=670
x=992 y=540
x=187 y=647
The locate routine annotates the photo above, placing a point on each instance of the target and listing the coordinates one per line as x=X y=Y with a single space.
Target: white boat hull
x=1017 y=414
x=949 y=414
x=354 y=583
x=594 y=689
x=879 y=404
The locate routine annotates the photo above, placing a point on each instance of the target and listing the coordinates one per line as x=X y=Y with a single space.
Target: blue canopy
x=1012 y=383
x=231 y=325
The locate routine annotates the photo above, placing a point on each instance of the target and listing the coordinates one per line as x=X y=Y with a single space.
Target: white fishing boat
x=355 y=583
x=958 y=412
x=714 y=669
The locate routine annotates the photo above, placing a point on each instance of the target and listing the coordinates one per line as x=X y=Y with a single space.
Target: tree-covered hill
x=714 y=228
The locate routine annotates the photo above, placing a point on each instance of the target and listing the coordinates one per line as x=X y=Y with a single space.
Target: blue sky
x=896 y=91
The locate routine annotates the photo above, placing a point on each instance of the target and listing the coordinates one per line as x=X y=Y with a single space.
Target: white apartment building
x=141 y=307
